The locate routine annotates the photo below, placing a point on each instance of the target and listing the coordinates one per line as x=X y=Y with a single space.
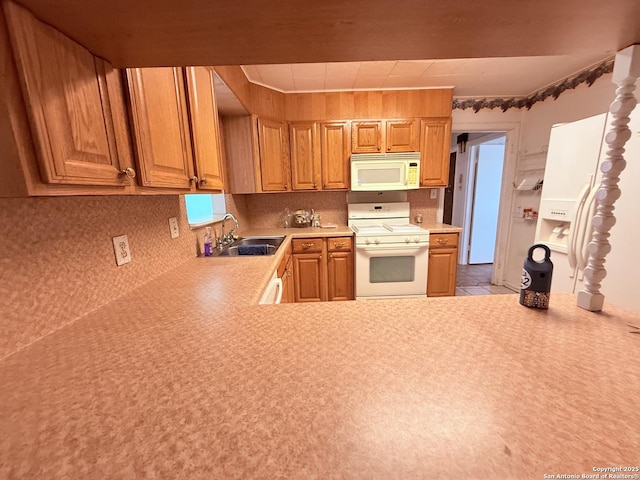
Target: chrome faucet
x=228 y=238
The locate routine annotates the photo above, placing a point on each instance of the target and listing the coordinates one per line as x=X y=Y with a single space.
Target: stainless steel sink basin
x=233 y=250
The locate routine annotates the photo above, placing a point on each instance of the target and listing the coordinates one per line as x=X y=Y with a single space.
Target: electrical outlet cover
x=173 y=227
x=433 y=194
x=121 y=249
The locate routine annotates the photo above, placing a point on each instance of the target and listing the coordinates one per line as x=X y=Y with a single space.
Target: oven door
x=384 y=271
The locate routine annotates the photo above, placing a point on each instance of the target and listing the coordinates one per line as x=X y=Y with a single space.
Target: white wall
x=527 y=155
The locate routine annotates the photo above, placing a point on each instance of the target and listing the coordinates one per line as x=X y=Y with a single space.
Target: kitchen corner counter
x=255 y=272
x=435 y=227
x=186 y=377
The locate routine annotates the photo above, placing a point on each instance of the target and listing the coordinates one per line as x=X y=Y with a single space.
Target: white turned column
x=626 y=71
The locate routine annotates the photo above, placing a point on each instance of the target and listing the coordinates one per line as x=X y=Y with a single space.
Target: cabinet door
x=160 y=125
x=340 y=276
x=366 y=137
x=274 y=155
x=288 y=287
x=335 y=151
x=285 y=273
x=68 y=104
x=402 y=136
x=441 y=279
x=305 y=156
x=309 y=277
x=435 y=136
x=205 y=129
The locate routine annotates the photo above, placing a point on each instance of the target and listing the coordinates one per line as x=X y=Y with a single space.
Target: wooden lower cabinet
x=443 y=264
x=323 y=269
x=340 y=264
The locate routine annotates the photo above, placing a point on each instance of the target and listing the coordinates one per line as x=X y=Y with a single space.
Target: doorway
x=475 y=185
x=487 y=160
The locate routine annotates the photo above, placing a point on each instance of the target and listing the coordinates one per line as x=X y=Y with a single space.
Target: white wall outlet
x=433 y=194
x=121 y=249
x=173 y=227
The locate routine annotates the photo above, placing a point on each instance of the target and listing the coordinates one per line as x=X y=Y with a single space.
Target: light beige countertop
x=187 y=377
x=435 y=227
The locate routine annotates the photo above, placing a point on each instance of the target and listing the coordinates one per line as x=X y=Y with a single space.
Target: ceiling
x=481 y=47
x=253 y=32
x=471 y=77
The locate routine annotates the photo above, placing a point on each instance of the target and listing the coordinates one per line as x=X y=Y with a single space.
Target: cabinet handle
x=203 y=180
x=308 y=245
x=339 y=244
x=194 y=179
x=442 y=241
x=129 y=172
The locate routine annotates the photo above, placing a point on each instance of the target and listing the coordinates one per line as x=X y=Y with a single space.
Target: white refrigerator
x=572 y=177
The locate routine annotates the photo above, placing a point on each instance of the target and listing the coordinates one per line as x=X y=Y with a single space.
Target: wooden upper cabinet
x=274 y=154
x=161 y=126
x=435 y=134
x=68 y=95
x=305 y=156
x=384 y=136
x=205 y=129
x=401 y=136
x=335 y=139
x=366 y=137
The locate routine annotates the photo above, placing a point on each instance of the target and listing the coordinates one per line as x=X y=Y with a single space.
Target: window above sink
x=204 y=209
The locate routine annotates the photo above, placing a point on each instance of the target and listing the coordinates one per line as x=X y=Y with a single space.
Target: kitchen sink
x=242 y=247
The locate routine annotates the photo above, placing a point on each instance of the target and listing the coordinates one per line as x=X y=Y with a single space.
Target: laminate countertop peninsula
x=186 y=377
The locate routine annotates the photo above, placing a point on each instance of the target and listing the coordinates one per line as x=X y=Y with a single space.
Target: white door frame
x=512 y=132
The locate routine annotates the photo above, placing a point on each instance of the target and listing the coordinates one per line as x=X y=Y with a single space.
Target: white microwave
x=376 y=172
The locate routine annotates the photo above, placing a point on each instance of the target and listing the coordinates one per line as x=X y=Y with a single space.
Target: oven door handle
x=392 y=247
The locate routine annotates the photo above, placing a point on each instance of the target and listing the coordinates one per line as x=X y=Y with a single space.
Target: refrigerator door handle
x=582 y=254
x=575 y=225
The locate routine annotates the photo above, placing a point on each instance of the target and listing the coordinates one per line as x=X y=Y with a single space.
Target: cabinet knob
x=194 y=179
x=129 y=172
x=203 y=180
x=331 y=255
x=307 y=245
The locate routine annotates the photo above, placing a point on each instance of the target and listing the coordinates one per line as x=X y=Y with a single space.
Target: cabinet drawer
x=307 y=245
x=339 y=244
x=443 y=240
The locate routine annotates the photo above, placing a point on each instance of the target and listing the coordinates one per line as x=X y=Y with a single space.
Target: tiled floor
x=476 y=280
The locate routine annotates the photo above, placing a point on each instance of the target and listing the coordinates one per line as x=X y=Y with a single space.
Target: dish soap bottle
x=208 y=243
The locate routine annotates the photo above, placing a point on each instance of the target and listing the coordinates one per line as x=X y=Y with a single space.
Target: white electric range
x=391 y=253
